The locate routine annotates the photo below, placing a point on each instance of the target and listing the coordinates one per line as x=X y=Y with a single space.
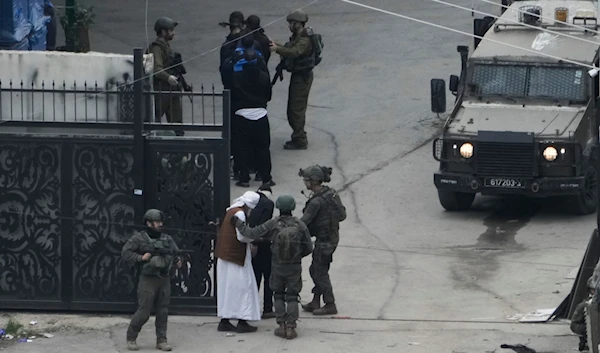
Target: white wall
x=37 y=67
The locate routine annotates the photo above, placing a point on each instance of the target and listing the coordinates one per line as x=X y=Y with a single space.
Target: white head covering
x=250 y=199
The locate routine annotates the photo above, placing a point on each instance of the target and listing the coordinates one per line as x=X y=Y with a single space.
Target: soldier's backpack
x=338 y=210
x=286 y=246
x=317 y=44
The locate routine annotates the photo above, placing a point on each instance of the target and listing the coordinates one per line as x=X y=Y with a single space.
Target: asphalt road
x=412 y=277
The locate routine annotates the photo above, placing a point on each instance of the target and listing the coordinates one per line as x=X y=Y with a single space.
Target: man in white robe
x=237 y=292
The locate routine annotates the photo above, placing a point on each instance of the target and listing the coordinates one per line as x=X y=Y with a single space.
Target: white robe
x=237 y=292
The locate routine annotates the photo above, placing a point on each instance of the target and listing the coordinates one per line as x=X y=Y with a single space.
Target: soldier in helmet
x=290 y=242
x=323 y=212
x=297 y=58
x=578 y=324
x=166 y=81
x=154 y=286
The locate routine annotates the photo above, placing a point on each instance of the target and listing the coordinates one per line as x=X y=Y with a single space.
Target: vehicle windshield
x=529 y=81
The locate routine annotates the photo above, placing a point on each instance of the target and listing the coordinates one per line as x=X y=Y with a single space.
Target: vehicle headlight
x=466 y=150
x=550 y=153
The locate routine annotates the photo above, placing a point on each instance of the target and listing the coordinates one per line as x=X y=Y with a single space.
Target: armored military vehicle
x=524 y=120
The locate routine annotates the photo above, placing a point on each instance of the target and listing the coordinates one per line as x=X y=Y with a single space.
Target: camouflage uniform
x=286 y=270
x=578 y=320
x=165 y=103
x=298 y=60
x=154 y=286
x=318 y=219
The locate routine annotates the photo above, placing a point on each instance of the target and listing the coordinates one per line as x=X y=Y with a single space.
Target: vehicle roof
x=539 y=40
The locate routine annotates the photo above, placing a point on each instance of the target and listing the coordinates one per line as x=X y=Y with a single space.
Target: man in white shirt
x=237 y=292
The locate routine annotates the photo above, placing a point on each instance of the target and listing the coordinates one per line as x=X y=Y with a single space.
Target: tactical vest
x=173 y=58
x=157 y=265
x=302 y=63
x=325 y=225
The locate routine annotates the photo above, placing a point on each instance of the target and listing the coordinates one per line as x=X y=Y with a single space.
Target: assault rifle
x=278 y=73
x=178 y=70
x=163 y=252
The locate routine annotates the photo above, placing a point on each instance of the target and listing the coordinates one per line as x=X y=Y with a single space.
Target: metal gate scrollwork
x=103 y=213
x=185 y=192
x=73 y=190
x=30 y=254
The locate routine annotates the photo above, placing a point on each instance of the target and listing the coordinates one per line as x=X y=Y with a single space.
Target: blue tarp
x=14 y=20
x=22 y=20
x=22 y=45
x=37 y=38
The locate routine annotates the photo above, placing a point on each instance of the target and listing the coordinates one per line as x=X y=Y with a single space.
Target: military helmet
x=316 y=173
x=153 y=215
x=298 y=16
x=285 y=203
x=164 y=23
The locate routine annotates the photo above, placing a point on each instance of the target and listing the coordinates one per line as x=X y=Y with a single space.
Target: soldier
x=297 y=58
x=167 y=80
x=290 y=243
x=154 y=286
x=322 y=214
x=578 y=324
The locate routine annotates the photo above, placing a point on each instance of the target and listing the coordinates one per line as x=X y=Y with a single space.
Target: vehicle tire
x=455 y=201
x=586 y=202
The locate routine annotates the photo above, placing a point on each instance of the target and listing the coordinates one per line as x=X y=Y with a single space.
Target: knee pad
x=279 y=295
x=292 y=297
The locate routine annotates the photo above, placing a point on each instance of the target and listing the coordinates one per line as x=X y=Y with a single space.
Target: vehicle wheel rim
x=591 y=183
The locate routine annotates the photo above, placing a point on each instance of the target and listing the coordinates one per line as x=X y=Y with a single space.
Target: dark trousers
x=297 y=103
x=262 y=269
x=255 y=137
x=169 y=104
x=319 y=271
x=286 y=281
x=153 y=293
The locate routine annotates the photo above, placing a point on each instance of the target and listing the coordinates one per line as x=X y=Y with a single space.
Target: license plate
x=503 y=183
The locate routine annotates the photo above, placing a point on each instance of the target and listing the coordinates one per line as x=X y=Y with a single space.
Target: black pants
x=255 y=137
x=262 y=269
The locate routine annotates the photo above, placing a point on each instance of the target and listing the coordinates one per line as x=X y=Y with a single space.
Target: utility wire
x=374 y=9
x=213 y=233
x=466 y=33
x=541 y=17
x=519 y=23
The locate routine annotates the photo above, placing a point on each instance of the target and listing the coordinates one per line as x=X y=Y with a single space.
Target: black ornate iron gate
x=69 y=201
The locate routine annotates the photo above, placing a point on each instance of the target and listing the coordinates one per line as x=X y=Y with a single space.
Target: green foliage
x=13 y=327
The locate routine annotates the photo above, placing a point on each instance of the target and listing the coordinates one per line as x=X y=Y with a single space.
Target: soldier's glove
x=173 y=80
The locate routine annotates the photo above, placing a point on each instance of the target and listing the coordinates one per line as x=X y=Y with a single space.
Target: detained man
x=237 y=294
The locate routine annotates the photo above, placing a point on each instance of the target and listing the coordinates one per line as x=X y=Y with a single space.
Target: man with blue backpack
x=248 y=76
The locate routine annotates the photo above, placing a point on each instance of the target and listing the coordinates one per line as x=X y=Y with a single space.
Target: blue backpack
x=235 y=63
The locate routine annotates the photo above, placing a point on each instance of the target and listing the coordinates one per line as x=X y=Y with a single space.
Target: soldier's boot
x=328 y=309
x=280 y=331
x=290 y=333
x=314 y=305
x=132 y=346
x=163 y=346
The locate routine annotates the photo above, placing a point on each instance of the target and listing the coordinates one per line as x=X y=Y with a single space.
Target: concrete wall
x=74 y=69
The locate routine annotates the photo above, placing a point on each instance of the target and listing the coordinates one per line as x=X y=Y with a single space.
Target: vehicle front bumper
x=533 y=187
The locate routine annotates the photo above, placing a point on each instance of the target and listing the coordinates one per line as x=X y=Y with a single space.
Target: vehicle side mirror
x=438 y=95
x=453 y=85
